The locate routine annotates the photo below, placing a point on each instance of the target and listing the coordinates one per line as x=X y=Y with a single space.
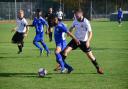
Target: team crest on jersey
x=39 y=21
x=57 y=29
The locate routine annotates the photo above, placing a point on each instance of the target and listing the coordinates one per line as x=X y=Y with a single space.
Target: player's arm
x=14 y=29
x=27 y=28
x=30 y=25
x=74 y=38
x=64 y=29
x=33 y=23
x=71 y=29
x=46 y=16
x=46 y=24
x=89 y=34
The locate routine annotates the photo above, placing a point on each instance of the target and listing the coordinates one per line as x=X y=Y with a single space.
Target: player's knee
x=19 y=44
x=65 y=52
x=56 y=52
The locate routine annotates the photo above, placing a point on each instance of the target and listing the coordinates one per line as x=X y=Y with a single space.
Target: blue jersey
x=120 y=13
x=59 y=32
x=39 y=24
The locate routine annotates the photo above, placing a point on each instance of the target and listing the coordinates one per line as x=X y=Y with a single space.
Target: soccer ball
x=42 y=72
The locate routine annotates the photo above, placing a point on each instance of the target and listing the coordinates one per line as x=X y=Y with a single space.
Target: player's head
x=50 y=10
x=119 y=9
x=20 y=14
x=38 y=12
x=54 y=19
x=78 y=13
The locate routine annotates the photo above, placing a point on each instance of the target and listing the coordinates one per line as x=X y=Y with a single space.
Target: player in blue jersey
x=120 y=15
x=39 y=23
x=59 y=31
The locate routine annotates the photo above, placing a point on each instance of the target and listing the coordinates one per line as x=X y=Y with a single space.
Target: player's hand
x=25 y=35
x=13 y=30
x=77 y=41
x=87 y=44
x=46 y=32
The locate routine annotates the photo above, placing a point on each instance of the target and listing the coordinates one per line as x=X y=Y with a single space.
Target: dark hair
x=78 y=10
x=54 y=16
x=38 y=10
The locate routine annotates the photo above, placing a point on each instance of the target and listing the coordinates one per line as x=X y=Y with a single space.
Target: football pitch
x=109 y=44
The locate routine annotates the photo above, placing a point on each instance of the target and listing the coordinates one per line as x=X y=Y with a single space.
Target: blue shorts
x=39 y=37
x=62 y=44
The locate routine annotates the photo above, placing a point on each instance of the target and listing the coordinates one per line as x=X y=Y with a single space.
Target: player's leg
x=63 y=46
x=20 y=42
x=95 y=63
x=35 y=42
x=38 y=46
x=14 y=38
x=119 y=20
x=71 y=46
x=43 y=43
x=50 y=33
x=90 y=55
x=64 y=54
x=45 y=47
x=59 y=58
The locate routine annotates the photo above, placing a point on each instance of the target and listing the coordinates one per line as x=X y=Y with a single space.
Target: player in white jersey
x=21 y=31
x=84 y=34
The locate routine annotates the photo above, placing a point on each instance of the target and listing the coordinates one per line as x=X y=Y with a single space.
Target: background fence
x=92 y=8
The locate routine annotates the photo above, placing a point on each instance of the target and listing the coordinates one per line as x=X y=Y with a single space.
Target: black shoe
x=100 y=71
x=70 y=70
x=19 y=52
x=48 y=53
x=41 y=51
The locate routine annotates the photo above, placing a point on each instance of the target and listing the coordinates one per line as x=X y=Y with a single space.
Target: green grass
x=109 y=44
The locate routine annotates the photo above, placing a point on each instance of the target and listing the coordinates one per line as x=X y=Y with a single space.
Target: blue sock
x=66 y=65
x=45 y=46
x=59 y=60
x=37 y=45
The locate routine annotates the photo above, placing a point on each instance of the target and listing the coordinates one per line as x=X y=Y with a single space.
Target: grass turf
x=109 y=44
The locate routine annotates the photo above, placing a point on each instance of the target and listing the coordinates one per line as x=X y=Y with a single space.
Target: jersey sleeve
x=34 y=22
x=44 y=22
x=25 y=22
x=64 y=28
x=88 y=26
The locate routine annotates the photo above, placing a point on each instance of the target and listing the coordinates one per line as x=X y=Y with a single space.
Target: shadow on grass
x=100 y=49
x=35 y=75
x=18 y=57
x=3 y=53
x=72 y=73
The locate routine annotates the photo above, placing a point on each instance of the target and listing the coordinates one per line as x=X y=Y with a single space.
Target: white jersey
x=21 y=25
x=82 y=29
x=60 y=14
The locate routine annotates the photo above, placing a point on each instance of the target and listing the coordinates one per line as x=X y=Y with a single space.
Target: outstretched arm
x=71 y=29
x=73 y=37
x=27 y=29
x=89 y=39
x=30 y=25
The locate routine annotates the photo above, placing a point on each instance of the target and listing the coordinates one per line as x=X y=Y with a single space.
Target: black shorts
x=82 y=46
x=18 y=37
x=50 y=24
